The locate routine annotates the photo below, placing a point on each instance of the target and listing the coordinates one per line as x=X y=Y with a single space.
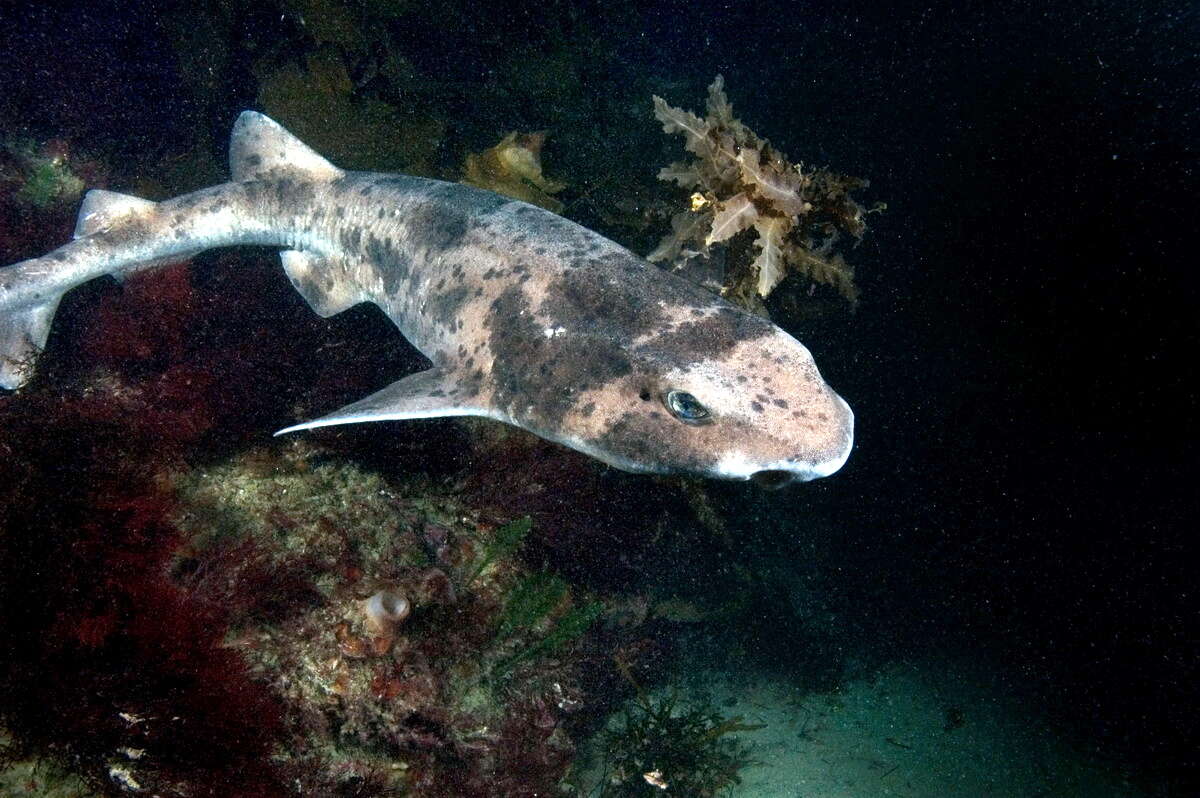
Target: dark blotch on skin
x=290 y=192
x=651 y=443
x=394 y=266
x=471 y=384
x=447 y=212
x=537 y=379
x=444 y=307
x=436 y=228
x=619 y=309
x=709 y=338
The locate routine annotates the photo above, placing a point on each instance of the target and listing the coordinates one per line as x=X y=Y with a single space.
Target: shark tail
x=114 y=236
x=30 y=291
x=23 y=334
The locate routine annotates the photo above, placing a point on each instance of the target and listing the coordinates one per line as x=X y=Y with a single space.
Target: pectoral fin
x=323 y=282
x=427 y=394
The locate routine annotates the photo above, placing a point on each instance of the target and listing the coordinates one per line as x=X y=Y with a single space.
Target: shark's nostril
x=772 y=478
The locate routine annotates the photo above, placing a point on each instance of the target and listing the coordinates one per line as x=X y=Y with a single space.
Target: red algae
x=147 y=323
x=187 y=615
x=110 y=662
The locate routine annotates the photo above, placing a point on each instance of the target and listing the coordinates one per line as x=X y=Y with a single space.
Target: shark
x=526 y=317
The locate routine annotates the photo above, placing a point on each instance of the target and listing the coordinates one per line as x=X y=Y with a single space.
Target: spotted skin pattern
x=527 y=317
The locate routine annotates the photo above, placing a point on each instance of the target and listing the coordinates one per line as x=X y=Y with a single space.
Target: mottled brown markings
x=133 y=230
x=538 y=378
x=711 y=337
x=591 y=299
x=651 y=444
x=445 y=307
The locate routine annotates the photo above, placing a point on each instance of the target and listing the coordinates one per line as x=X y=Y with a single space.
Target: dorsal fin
x=260 y=148
x=101 y=208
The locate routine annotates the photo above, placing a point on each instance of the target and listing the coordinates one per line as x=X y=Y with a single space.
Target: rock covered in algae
x=319 y=104
x=476 y=667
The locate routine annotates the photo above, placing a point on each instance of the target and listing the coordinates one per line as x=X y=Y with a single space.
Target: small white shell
x=386 y=610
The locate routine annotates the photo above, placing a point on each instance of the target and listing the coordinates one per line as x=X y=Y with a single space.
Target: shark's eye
x=686 y=407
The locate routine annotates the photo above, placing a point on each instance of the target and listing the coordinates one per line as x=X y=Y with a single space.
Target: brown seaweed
x=741 y=183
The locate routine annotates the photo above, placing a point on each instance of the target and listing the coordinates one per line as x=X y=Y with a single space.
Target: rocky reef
x=187 y=602
x=441 y=608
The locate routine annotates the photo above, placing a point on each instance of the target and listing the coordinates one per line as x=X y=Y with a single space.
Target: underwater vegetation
x=664 y=746
x=190 y=607
x=741 y=183
x=318 y=102
x=514 y=168
x=46 y=174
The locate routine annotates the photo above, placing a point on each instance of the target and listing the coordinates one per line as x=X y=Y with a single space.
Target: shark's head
x=740 y=399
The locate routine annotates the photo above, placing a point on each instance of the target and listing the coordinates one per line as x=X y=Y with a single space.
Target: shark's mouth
x=773 y=479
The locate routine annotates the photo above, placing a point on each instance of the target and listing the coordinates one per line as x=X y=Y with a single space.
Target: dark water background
x=1022 y=363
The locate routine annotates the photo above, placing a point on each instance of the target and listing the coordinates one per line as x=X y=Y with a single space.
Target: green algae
x=49 y=181
x=37 y=777
x=663 y=744
x=504 y=544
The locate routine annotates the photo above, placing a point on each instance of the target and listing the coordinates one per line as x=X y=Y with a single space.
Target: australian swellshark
x=527 y=318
